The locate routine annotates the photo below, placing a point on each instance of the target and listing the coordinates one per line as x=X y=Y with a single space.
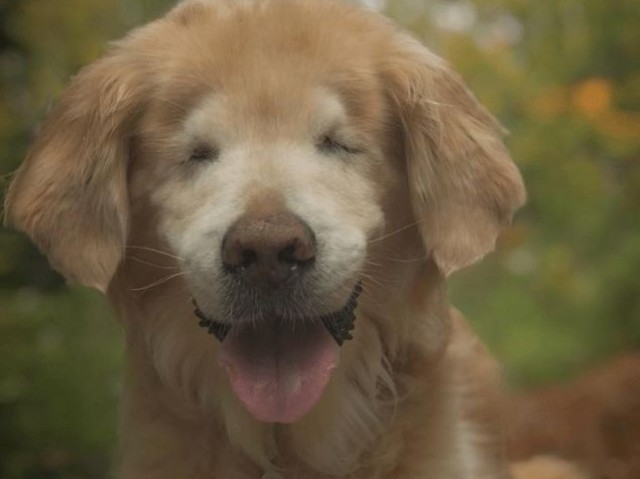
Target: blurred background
x=561 y=294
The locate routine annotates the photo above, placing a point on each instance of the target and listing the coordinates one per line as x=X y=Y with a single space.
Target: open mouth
x=278 y=367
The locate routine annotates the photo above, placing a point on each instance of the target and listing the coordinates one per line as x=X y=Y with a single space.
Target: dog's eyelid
x=328 y=143
x=204 y=152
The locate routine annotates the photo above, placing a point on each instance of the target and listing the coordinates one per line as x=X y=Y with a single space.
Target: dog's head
x=281 y=151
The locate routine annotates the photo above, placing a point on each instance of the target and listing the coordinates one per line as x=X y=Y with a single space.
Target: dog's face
x=269 y=206
x=267 y=146
x=269 y=193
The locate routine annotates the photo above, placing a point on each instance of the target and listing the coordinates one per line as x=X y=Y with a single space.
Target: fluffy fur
x=109 y=194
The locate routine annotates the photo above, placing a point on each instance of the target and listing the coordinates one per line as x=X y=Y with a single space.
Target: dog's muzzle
x=339 y=324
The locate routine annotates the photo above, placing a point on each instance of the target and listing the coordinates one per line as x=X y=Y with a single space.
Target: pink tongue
x=279 y=371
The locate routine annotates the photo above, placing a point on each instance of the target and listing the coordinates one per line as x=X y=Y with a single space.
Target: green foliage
x=59 y=379
x=560 y=293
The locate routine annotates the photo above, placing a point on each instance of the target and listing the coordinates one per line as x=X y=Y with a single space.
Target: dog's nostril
x=287 y=254
x=247 y=258
x=237 y=256
x=297 y=253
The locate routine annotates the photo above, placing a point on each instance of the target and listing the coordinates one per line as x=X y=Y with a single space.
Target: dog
x=298 y=178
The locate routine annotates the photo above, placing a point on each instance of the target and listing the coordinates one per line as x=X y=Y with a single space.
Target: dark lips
x=339 y=324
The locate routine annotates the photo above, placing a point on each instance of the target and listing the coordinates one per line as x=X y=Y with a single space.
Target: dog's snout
x=268 y=251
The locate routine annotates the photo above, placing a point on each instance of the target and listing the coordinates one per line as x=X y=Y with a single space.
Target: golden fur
x=546 y=467
x=415 y=395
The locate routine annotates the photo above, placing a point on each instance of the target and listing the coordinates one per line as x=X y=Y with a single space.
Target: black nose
x=268 y=251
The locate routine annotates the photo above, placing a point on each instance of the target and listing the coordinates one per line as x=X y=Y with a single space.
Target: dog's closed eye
x=203 y=152
x=330 y=145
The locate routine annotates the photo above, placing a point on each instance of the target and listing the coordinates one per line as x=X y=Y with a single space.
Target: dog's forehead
x=271 y=61
x=269 y=112
x=308 y=38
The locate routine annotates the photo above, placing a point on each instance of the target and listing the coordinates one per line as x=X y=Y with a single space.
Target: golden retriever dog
x=304 y=176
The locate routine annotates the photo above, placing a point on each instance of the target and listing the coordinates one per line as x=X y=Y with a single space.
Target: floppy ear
x=464 y=186
x=70 y=194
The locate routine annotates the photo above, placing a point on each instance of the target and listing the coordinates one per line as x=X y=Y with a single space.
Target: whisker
x=147 y=263
x=399 y=230
x=372 y=280
x=158 y=282
x=153 y=250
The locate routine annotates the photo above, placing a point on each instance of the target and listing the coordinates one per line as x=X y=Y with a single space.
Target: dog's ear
x=70 y=194
x=464 y=186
